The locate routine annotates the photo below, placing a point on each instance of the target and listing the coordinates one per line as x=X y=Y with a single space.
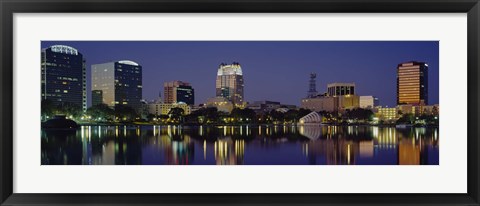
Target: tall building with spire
x=229 y=83
x=63 y=76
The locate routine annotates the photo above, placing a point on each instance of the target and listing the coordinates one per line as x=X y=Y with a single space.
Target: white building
x=163 y=108
x=221 y=103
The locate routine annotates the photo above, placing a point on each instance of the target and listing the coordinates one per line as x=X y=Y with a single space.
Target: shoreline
x=255 y=125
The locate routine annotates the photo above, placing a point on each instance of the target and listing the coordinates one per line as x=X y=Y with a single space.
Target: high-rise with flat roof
x=229 y=83
x=412 y=83
x=177 y=92
x=340 y=89
x=63 y=76
x=120 y=83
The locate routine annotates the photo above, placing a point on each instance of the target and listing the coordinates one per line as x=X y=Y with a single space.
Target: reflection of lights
x=204 y=149
x=201 y=130
x=375 y=132
x=89 y=133
x=306 y=149
x=116 y=131
x=82 y=132
x=348 y=153
x=435 y=134
x=215 y=149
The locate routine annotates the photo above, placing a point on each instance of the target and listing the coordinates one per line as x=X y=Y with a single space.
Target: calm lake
x=241 y=145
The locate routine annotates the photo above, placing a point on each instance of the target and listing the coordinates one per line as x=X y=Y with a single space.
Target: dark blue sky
x=273 y=70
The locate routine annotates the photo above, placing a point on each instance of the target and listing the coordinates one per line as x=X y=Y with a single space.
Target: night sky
x=273 y=70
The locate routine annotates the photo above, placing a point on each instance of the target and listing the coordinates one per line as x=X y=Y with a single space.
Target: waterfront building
x=164 y=108
x=221 y=103
x=63 y=76
x=348 y=102
x=267 y=106
x=339 y=97
x=229 y=83
x=419 y=109
x=323 y=103
x=340 y=89
x=97 y=97
x=386 y=113
x=178 y=91
x=412 y=83
x=368 y=102
x=120 y=83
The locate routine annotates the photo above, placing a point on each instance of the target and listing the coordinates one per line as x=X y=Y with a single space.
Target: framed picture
x=239 y=102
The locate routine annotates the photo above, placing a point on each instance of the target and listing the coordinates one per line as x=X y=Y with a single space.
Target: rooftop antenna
x=312 y=92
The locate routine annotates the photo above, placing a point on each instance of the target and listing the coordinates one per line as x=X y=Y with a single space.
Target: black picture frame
x=10 y=7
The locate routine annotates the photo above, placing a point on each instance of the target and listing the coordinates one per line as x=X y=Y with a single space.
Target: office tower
x=412 y=83
x=97 y=97
x=120 y=83
x=229 y=83
x=63 y=76
x=340 y=89
x=312 y=92
x=178 y=91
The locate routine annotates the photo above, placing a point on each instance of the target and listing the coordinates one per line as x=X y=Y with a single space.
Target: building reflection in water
x=237 y=145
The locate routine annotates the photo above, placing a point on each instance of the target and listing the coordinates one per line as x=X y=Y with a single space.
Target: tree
x=125 y=113
x=101 y=112
x=242 y=115
x=406 y=119
x=176 y=114
x=69 y=109
x=359 y=114
x=47 y=108
x=275 y=116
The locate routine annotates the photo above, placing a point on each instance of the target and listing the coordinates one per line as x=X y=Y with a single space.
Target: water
x=241 y=145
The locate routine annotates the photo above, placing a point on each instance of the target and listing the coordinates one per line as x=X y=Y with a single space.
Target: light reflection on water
x=241 y=145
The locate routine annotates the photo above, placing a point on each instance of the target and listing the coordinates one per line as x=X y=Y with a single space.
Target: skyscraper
x=120 y=83
x=63 y=76
x=229 y=83
x=412 y=83
x=178 y=91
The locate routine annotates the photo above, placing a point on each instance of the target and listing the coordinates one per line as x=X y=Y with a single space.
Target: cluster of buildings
x=412 y=95
x=64 y=79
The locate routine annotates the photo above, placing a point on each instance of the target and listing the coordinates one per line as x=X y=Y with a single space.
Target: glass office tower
x=63 y=76
x=120 y=83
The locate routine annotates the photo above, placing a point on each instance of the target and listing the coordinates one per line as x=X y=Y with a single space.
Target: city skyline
x=371 y=65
